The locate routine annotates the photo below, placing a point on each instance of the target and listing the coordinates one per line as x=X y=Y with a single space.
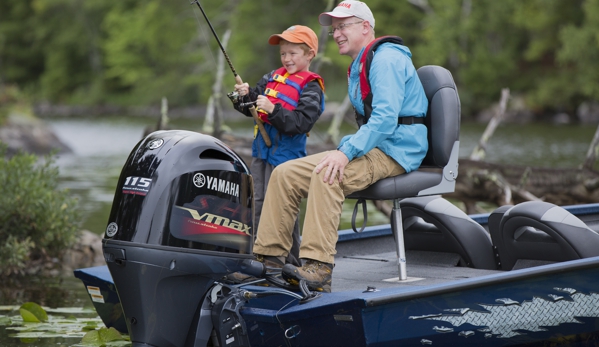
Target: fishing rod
x=238 y=79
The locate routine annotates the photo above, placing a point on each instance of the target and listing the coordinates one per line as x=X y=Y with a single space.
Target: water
x=101 y=146
x=542 y=145
x=50 y=293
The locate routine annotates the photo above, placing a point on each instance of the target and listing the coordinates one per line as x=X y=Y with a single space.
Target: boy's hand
x=242 y=89
x=262 y=103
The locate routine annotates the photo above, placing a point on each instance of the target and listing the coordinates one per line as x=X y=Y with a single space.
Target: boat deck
x=369 y=259
x=372 y=262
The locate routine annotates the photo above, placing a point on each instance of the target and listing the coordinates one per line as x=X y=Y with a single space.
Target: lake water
x=101 y=146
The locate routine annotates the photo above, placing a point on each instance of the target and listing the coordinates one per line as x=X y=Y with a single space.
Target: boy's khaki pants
x=295 y=180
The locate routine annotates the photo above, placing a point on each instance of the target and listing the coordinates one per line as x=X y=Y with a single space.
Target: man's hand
x=334 y=162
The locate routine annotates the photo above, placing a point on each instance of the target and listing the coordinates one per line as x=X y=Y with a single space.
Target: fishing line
x=204 y=34
x=234 y=96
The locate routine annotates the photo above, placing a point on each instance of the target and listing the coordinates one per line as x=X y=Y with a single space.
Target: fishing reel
x=234 y=96
x=238 y=99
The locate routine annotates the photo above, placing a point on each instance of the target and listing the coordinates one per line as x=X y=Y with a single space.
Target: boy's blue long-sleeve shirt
x=397 y=91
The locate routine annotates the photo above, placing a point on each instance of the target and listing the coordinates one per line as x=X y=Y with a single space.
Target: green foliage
x=33 y=313
x=15 y=253
x=104 y=337
x=151 y=50
x=134 y=52
x=580 y=52
x=11 y=98
x=34 y=324
x=37 y=220
x=254 y=22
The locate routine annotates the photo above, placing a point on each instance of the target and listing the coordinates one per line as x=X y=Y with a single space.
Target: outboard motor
x=181 y=219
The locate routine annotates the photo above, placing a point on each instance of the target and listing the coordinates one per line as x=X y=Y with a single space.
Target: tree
x=151 y=50
x=135 y=52
x=579 y=54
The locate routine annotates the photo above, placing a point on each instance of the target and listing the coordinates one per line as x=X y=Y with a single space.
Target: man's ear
x=365 y=26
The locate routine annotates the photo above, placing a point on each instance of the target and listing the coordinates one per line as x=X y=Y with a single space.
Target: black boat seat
x=439 y=169
x=434 y=224
x=537 y=230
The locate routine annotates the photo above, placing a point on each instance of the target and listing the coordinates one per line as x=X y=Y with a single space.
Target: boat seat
x=493 y=225
x=434 y=224
x=439 y=169
x=541 y=231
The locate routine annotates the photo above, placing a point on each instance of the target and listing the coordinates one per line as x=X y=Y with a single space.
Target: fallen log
x=500 y=184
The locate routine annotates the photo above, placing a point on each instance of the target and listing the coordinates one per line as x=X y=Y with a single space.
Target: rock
x=86 y=252
x=561 y=118
x=588 y=113
x=24 y=132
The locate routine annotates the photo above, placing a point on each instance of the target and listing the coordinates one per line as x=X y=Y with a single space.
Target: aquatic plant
x=38 y=221
x=35 y=322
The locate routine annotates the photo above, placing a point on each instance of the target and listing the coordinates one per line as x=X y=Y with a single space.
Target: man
x=382 y=147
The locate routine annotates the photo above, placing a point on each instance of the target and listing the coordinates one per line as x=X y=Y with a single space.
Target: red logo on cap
x=344 y=4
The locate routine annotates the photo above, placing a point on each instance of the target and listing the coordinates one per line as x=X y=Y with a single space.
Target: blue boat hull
x=103 y=295
x=557 y=304
x=551 y=304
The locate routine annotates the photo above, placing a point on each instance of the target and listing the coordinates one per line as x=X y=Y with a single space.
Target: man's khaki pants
x=295 y=180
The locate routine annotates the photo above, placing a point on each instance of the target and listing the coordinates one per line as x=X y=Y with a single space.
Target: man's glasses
x=341 y=27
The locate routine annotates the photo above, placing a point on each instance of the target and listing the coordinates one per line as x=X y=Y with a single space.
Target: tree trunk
x=592 y=152
x=323 y=38
x=478 y=153
x=214 y=119
x=332 y=136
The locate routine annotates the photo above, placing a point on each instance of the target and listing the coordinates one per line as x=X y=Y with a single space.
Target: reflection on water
x=51 y=292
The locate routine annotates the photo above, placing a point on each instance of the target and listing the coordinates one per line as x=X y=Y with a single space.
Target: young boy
x=289 y=101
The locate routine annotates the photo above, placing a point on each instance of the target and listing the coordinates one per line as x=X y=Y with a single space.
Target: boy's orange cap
x=297 y=34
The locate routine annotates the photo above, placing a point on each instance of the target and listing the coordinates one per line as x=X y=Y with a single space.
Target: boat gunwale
x=482 y=281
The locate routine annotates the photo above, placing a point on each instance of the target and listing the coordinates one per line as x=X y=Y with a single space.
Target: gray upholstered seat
x=432 y=223
x=540 y=231
x=439 y=169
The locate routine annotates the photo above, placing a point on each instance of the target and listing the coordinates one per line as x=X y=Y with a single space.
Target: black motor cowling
x=180 y=220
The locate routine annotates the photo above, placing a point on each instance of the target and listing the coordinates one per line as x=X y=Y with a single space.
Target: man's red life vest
x=285 y=89
x=364 y=66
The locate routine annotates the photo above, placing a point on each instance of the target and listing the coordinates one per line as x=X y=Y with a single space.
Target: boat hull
x=555 y=304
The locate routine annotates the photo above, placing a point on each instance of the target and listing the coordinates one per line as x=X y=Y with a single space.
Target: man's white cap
x=345 y=9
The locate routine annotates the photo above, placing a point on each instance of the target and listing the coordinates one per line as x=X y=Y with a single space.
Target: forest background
x=134 y=52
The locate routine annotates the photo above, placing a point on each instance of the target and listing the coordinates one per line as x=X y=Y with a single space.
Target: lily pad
x=102 y=337
x=33 y=313
x=5 y=321
x=71 y=310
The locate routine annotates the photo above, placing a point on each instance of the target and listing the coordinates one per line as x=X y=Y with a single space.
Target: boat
x=443 y=301
x=181 y=222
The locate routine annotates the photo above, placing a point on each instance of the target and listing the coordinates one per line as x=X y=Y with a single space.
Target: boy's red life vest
x=285 y=89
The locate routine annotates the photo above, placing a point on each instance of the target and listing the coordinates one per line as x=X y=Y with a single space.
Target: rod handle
x=259 y=121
